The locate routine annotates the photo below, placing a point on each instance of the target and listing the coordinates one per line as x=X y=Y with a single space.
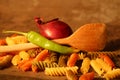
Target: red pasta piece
x=72 y=60
x=108 y=60
x=87 y=76
x=2 y=42
x=42 y=55
x=26 y=66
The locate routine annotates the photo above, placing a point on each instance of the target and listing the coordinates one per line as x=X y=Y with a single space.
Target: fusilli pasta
x=85 y=65
x=94 y=55
x=112 y=74
x=82 y=55
x=60 y=71
x=34 y=52
x=97 y=67
x=104 y=65
x=63 y=60
x=53 y=57
x=42 y=64
x=70 y=75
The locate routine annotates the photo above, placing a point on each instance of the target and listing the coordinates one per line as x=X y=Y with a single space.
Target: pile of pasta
x=81 y=65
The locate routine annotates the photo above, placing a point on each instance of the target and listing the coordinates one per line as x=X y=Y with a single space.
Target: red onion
x=53 y=29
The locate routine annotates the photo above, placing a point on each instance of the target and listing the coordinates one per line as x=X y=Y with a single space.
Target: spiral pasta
x=85 y=65
x=94 y=55
x=112 y=74
x=63 y=60
x=60 y=71
x=81 y=55
x=97 y=67
x=70 y=75
x=42 y=64
x=34 y=52
x=104 y=65
x=53 y=57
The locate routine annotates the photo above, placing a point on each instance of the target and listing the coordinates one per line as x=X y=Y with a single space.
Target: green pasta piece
x=53 y=57
x=63 y=60
x=34 y=52
x=94 y=55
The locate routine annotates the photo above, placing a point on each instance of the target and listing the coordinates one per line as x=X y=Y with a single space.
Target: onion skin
x=53 y=29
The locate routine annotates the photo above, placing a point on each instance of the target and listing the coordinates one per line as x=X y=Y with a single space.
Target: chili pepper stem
x=18 y=32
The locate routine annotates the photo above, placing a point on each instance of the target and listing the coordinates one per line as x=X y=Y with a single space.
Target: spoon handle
x=61 y=41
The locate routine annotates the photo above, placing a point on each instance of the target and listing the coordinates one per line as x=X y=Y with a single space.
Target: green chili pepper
x=43 y=42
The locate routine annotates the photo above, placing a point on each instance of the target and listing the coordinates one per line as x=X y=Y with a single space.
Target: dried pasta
x=15 y=60
x=97 y=67
x=60 y=71
x=104 y=65
x=72 y=59
x=34 y=52
x=42 y=64
x=112 y=74
x=85 y=65
x=16 y=40
x=81 y=55
x=5 y=62
x=70 y=75
x=63 y=60
x=94 y=55
x=53 y=57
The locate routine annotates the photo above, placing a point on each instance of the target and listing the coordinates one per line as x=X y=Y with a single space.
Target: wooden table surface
x=13 y=73
x=19 y=15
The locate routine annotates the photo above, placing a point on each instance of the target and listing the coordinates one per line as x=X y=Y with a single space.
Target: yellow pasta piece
x=9 y=41
x=15 y=60
x=112 y=74
x=97 y=67
x=104 y=65
x=43 y=64
x=16 y=40
x=24 y=55
x=60 y=71
x=85 y=65
x=70 y=75
x=19 y=39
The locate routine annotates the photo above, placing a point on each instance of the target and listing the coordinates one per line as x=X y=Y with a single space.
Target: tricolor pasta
x=60 y=71
x=104 y=65
x=63 y=60
x=112 y=74
x=53 y=57
x=97 y=67
x=85 y=65
x=42 y=64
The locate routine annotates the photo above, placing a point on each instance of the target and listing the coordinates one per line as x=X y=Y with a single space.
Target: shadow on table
x=112 y=45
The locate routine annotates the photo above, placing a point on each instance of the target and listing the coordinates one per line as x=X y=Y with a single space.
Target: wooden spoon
x=89 y=37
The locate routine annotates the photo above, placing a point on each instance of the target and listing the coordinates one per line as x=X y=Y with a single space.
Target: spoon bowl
x=89 y=37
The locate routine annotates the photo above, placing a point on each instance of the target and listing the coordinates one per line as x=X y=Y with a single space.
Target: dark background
x=19 y=14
